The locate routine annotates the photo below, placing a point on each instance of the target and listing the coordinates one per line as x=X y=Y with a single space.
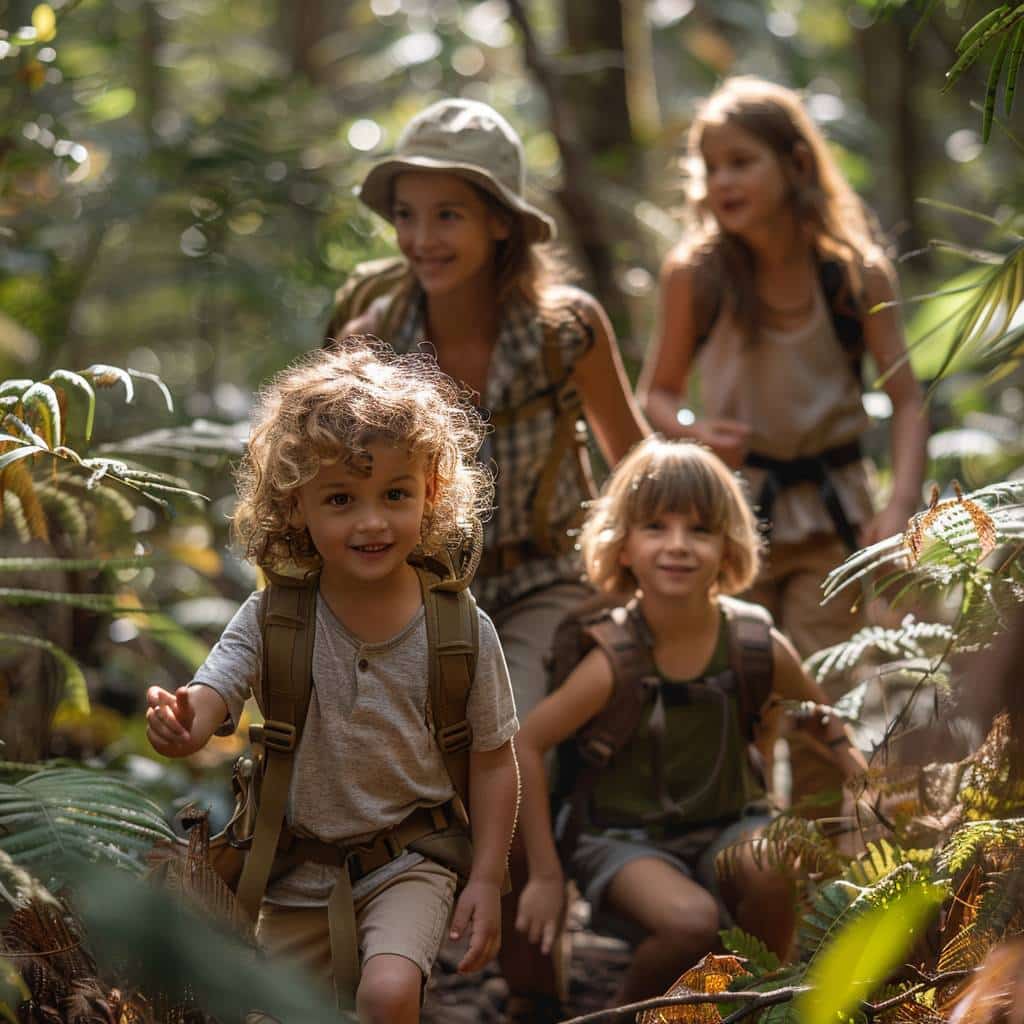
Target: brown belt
x=360 y=859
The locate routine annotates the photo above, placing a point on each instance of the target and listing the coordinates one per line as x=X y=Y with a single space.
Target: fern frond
x=76 y=814
x=977 y=837
x=758 y=956
x=76 y=693
x=878 y=860
x=912 y=639
x=785 y=842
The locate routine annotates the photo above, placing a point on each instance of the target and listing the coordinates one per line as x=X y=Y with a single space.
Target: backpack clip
x=274 y=735
x=455 y=737
x=596 y=751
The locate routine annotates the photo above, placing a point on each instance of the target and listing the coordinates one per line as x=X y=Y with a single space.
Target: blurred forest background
x=176 y=200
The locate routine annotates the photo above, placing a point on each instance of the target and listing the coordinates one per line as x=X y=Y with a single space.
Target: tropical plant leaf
x=59 y=815
x=751 y=948
x=76 y=694
x=864 y=952
x=78 y=384
x=40 y=403
x=103 y=376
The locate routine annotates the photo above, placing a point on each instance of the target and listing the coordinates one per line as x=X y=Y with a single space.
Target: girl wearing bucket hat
x=478 y=285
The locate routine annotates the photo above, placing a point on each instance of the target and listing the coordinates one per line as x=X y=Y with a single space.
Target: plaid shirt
x=517 y=450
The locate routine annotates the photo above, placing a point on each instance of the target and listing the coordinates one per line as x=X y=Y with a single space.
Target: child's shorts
x=407 y=915
x=599 y=858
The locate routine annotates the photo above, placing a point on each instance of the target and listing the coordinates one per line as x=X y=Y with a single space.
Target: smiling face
x=674 y=556
x=446 y=230
x=365 y=526
x=747 y=187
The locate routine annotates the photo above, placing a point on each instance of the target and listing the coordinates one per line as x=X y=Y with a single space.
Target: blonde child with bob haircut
x=360 y=459
x=671 y=536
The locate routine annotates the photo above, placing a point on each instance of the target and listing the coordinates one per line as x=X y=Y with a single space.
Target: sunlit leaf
x=863 y=955
x=40 y=403
x=80 y=384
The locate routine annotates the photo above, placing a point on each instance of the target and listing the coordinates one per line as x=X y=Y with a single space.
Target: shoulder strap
x=751 y=658
x=367 y=282
x=288 y=627
x=453 y=645
x=620 y=634
x=845 y=311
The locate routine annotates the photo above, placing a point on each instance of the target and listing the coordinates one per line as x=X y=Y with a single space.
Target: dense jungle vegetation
x=176 y=211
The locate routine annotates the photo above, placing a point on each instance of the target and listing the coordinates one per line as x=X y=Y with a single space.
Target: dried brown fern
x=984 y=526
x=712 y=974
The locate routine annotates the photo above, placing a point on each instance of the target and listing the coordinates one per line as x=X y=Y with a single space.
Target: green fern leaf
x=76 y=693
x=751 y=948
x=78 y=385
x=103 y=376
x=60 y=815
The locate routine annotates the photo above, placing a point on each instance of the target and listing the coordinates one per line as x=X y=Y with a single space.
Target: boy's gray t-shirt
x=367 y=757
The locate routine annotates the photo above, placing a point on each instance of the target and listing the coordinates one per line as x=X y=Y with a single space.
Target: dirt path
x=597 y=964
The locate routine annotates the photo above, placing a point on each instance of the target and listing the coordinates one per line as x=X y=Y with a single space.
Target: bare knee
x=389 y=991
x=689 y=924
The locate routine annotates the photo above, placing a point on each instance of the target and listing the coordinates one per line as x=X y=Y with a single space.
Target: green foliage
x=760 y=959
x=57 y=816
x=863 y=954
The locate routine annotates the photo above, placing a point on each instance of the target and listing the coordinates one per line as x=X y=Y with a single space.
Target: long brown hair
x=834 y=218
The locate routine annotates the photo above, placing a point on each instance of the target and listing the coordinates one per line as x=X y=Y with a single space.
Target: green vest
x=687 y=763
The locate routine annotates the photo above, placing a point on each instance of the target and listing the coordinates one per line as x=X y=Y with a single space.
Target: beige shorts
x=405 y=916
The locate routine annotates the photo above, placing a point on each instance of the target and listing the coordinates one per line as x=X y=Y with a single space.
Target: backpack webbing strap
x=452 y=642
x=566 y=436
x=288 y=628
x=620 y=636
x=751 y=657
x=367 y=282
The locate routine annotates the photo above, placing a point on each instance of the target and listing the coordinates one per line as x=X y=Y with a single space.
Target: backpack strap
x=548 y=539
x=453 y=644
x=622 y=636
x=751 y=657
x=846 y=315
x=364 y=285
x=288 y=627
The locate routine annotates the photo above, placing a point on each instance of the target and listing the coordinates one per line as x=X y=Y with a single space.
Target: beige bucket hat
x=467 y=138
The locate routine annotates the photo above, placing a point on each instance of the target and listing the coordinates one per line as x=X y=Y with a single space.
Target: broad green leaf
x=864 y=953
x=76 y=694
x=41 y=400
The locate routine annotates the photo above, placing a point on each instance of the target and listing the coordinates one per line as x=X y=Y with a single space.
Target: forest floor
x=596 y=967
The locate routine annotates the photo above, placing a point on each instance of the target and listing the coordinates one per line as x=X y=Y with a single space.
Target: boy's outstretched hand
x=170 y=720
x=479 y=910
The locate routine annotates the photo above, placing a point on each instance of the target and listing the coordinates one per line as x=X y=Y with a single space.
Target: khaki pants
x=526 y=629
x=789 y=586
x=407 y=915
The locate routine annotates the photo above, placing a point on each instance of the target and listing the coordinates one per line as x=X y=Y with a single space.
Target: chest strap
x=814 y=469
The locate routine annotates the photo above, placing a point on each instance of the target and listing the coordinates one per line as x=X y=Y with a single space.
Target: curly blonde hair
x=332 y=404
x=661 y=477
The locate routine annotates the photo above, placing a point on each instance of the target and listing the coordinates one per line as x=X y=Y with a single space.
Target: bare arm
x=666 y=371
x=180 y=723
x=493 y=793
x=793 y=683
x=883 y=336
x=604 y=387
x=555 y=719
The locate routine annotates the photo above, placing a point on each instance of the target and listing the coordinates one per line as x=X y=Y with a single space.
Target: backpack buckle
x=456 y=737
x=596 y=751
x=274 y=735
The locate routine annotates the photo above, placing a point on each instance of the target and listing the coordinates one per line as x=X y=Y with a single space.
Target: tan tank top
x=796 y=390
